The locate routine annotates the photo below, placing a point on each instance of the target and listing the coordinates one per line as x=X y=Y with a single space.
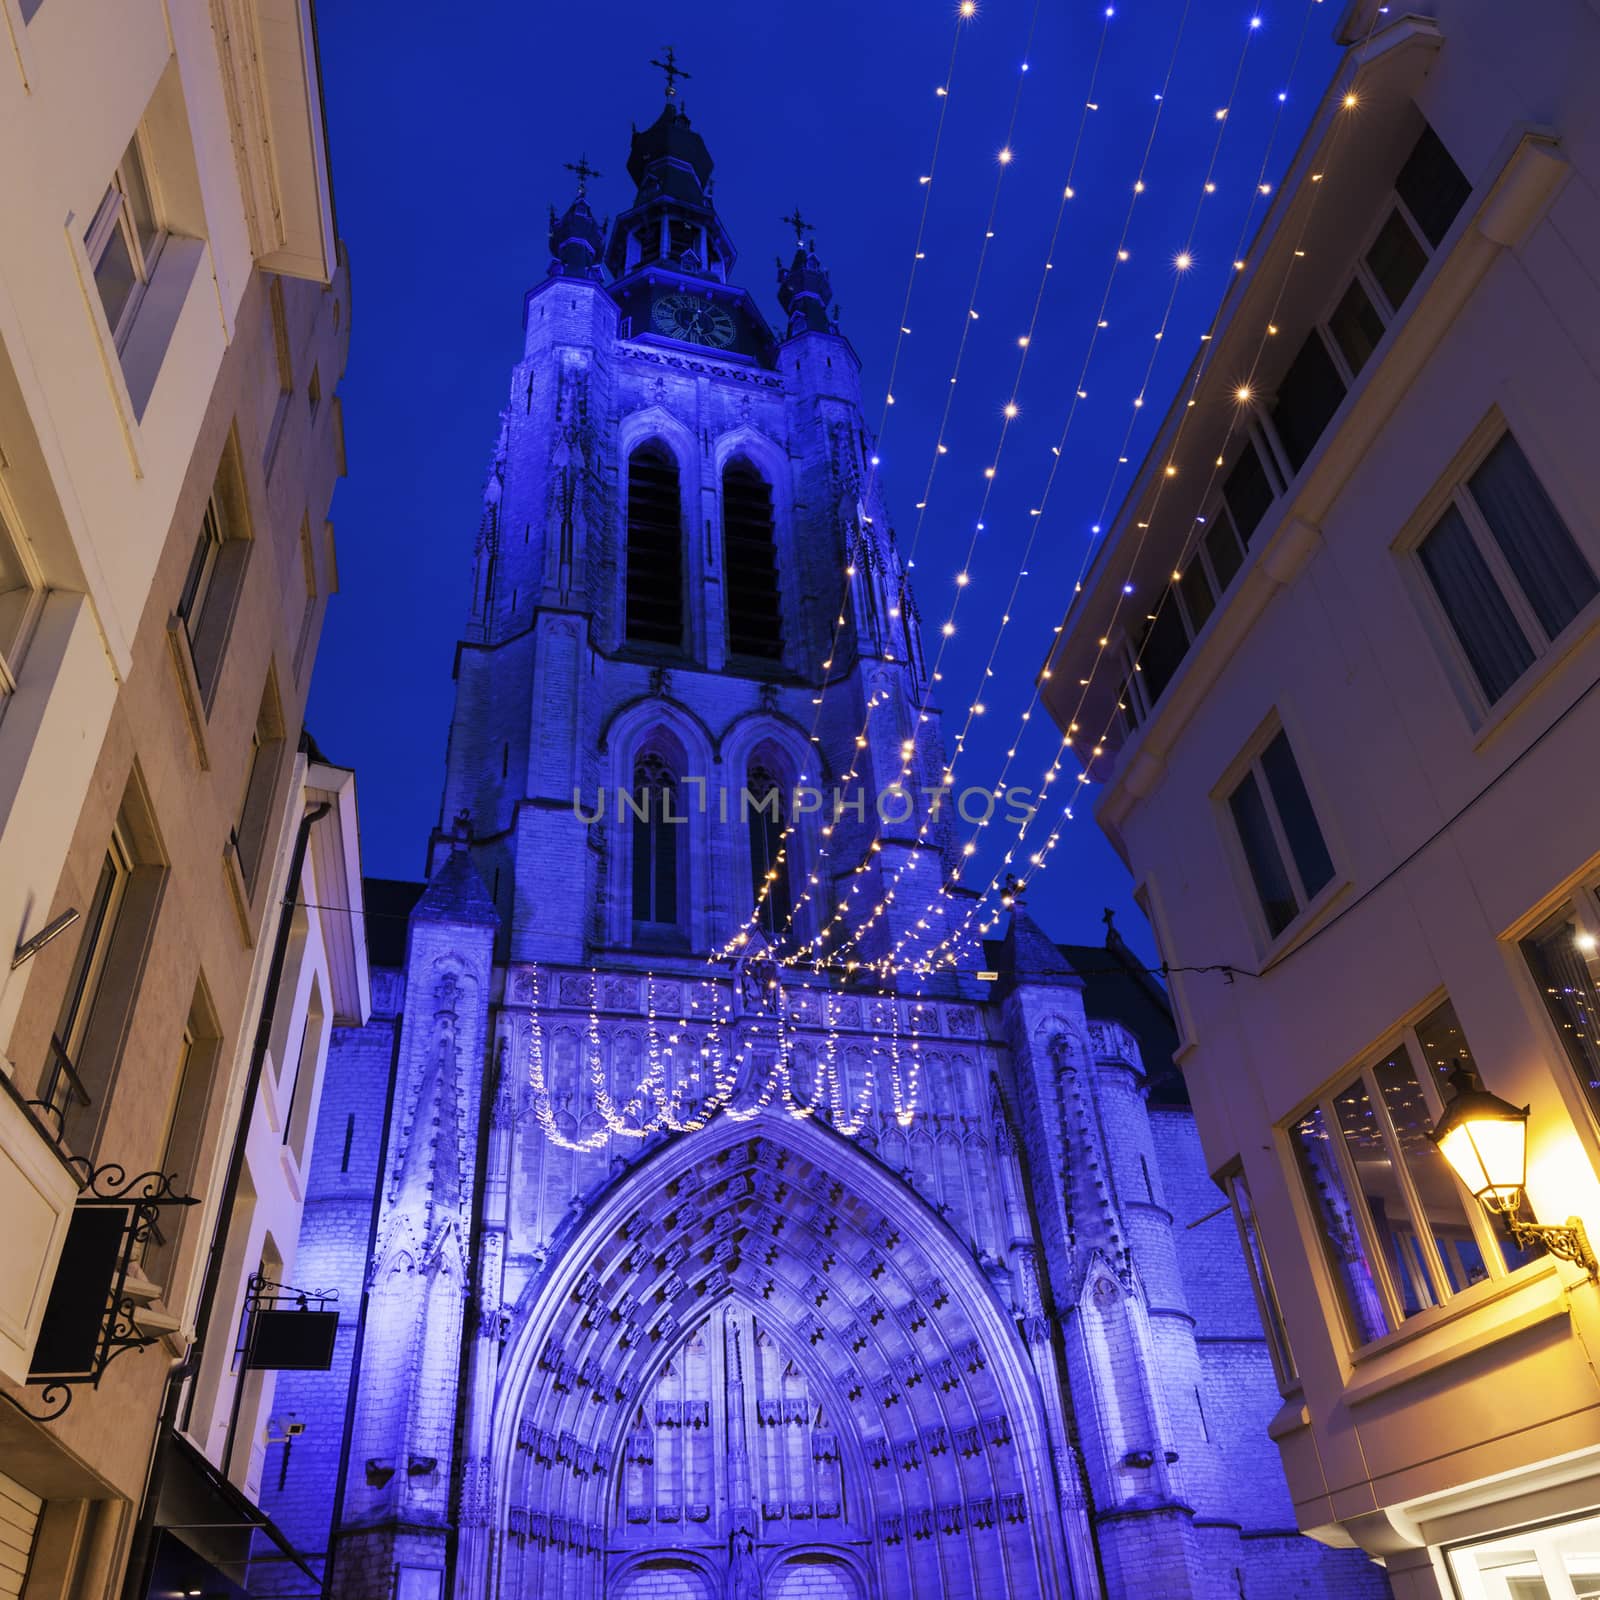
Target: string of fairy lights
x=966 y=12
x=1009 y=412
x=1182 y=262
x=742 y=1060
x=823 y=947
x=1350 y=101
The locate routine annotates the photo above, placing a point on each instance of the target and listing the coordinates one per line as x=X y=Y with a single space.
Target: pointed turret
x=576 y=237
x=804 y=291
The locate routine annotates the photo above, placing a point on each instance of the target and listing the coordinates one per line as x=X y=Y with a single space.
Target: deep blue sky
x=448 y=144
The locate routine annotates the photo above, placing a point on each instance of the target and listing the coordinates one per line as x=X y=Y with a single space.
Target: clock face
x=687 y=316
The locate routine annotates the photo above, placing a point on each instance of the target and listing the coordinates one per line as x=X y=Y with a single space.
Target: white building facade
x=1338 y=655
x=173 y=321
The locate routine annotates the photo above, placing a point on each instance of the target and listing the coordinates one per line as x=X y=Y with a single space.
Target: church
x=720 y=1210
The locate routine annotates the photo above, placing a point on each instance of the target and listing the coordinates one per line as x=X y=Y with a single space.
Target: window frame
x=20 y=629
x=75 y=1014
x=1362 y=273
x=1364 y=1073
x=1274 y=1327
x=112 y=219
x=644 y=931
x=1452 y=491
x=1248 y=763
x=1582 y=899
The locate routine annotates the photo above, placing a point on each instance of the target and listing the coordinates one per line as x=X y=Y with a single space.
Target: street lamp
x=1485 y=1139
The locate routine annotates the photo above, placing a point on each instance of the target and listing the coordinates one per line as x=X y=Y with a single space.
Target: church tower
x=675 y=492
x=691 y=1254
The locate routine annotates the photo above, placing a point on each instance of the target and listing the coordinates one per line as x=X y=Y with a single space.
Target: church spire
x=804 y=291
x=576 y=239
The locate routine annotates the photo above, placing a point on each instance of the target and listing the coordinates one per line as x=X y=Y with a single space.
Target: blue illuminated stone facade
x=1003 y=1347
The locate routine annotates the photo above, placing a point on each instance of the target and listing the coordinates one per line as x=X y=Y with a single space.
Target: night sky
x=449 y=131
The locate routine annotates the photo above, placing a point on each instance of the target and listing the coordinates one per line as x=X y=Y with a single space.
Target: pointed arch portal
x=762 y=1331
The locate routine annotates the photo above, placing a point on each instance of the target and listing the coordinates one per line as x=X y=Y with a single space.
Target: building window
x=657 y=819
x=303 y=1085
x=114 y=932
x=1505 y=569
x=123 y=241
x=1563 y=957
x=199 y=1050
x=1279 y=834
x=276 y=372
x=202 y=568
x=1244 y=1217
x=1429 y=192
x=1308 y=395
x=654 y=596
x=750 y=564
x=21 y=598
x=252 y=830
x=1398 y=1233
x=769 y=863
x=215 y=574
x=1246 y=496
x=63 y=1082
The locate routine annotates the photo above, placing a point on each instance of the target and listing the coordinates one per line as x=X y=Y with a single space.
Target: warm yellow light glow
x=1242 y=394
x=1350 y=102
x=1011 y=409
x=1183 y=261
x=969 y=8
x=1005 y=157
x=1585 y=942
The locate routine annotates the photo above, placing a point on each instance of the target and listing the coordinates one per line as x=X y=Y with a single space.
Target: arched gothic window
x=750 y=564
x=766 y=816
x=655 y=846
x=655 y=549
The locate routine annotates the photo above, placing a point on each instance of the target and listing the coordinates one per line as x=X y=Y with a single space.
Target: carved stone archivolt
x=868 y=1341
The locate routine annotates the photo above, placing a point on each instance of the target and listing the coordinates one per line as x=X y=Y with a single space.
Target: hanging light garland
x=945 y=955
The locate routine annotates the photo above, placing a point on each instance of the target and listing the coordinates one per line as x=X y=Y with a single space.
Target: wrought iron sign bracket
x=101 y=1336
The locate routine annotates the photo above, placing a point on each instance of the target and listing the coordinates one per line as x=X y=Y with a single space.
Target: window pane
x=1496 y=647
x=1532 y=537
x=1356 y=326
x=1396 y=259
x=1255 y=1258
x=1308 y=396
x=1248 y=491
x=1444 y=1210
x=1392 y=1221
x=1222 y=546
x=114 y=276
x=136 y=189
x=98 y=924
x=1444 y=1047
x=1341 y=1238
x=1433 y=187
x=202 y=567
x=1261 y=852
x=1299 y=821
x=1566 y=972
x=16 y=591
x=1165 y=645
x=1196 y=590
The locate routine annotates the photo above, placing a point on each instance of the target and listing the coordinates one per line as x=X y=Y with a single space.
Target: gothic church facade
x=668 y=1277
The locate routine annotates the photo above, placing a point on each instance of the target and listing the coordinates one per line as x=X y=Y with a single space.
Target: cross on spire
x=673 y=71
x=799 y=224
x=584 y=173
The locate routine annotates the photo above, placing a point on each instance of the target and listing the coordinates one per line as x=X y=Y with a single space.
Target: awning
x=210 y=1532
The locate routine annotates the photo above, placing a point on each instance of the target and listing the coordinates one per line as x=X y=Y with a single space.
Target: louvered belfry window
x=750 y=559
x=655 y=549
